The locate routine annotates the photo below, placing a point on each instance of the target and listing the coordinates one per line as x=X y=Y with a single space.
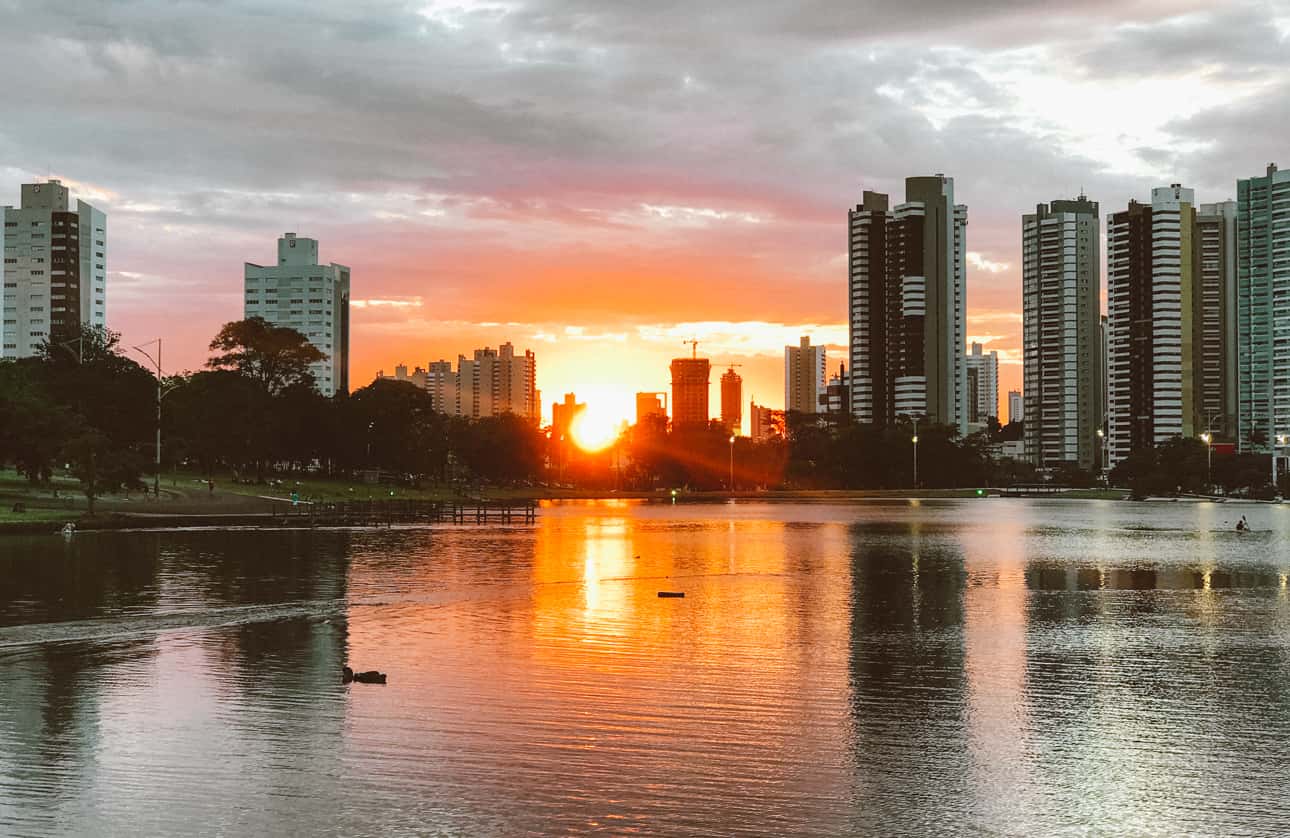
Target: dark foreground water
x=993 y=667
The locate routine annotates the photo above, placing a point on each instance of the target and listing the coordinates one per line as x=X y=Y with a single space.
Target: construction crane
x=694 y=343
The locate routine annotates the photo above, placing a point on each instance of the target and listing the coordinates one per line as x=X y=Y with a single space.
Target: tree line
x=83 y=404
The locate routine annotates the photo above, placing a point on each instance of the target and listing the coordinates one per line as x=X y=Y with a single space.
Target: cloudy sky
x=599 y=181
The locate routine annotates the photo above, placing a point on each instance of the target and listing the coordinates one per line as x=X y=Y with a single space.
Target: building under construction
x=690 y=389
x=732 y=395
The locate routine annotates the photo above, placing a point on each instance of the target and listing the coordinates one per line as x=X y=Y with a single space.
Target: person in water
x=1241 y=525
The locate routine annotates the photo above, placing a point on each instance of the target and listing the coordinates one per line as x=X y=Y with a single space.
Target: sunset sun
x=594 y=430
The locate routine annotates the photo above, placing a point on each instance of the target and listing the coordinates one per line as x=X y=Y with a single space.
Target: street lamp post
x=1279 y=441
x=1208 y=439
x=1101 y=459
x=732 y=463
x=156 y=476
x=915 y=441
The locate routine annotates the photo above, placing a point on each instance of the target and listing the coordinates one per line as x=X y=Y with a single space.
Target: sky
x=600 y=181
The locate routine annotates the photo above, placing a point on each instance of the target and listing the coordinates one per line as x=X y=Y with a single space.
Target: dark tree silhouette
x=275 y=356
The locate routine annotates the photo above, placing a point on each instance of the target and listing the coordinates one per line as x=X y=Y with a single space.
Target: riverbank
x=188 y=500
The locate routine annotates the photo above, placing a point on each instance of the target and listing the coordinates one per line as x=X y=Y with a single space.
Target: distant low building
x=1016 y=407
x=767 y=424
x=1014 y=449
x=835 y=401
x=563 y=415
x=489 y=383
x=649 y=405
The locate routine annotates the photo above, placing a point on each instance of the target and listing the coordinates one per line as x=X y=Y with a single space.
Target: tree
x=500 y=449
x=101 y=466
x=393 y=425
x=33 y=427
x=221 y=417
x=1176 y=465
x=275 y=356
x=89 y=376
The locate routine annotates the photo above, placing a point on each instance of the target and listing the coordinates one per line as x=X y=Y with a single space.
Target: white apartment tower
x=982 y=386
x=908 y=305
x=1061 y=333
x=311 y=298
x=55 y=268
x=804 y=376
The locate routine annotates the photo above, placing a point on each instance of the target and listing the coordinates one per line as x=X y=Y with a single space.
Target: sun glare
x=593 y=430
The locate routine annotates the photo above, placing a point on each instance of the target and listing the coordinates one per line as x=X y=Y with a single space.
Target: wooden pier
x=378 y=513
x=1032 y=490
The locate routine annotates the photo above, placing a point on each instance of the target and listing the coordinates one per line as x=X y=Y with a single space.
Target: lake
x=981 y=667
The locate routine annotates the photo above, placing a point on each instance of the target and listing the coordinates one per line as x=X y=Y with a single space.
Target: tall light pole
x=80 y=348
x=156 y=475
x=1208 y=439
x=1279 y=441
x=1101 y=459
x=732 y=464
x=915 y=441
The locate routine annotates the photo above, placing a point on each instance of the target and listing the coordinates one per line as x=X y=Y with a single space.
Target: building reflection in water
x=882 y=668
x=137 y=667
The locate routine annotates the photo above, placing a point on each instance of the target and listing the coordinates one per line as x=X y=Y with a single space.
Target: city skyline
x=539 y=135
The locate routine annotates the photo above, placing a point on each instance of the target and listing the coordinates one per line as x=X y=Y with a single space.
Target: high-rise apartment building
x=804 y=376
x=1263 y=309
x=1016 y=409
x=908 y=296
x=1214 y=318
x=55 y=268
x=313 y=299
x=690 y=391
x=1150 y=287
x=1061 y=333
x=982 y=386
x=732 y=394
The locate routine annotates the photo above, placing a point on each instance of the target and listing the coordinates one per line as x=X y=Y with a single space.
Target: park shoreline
x=185 y=513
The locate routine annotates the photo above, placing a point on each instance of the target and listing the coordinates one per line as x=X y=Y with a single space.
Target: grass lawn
x=36 y=515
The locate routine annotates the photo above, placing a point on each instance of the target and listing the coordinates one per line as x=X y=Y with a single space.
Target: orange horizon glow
x=595 y=428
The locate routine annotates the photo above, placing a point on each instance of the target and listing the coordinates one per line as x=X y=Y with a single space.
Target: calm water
x=994 y=667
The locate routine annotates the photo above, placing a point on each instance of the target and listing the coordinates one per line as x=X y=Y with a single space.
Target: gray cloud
x=507 y=123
